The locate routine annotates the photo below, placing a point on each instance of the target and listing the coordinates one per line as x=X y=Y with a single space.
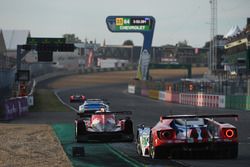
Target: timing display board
x=130 y=23
x=133 y=23
x=38 y=40
x=137 y=24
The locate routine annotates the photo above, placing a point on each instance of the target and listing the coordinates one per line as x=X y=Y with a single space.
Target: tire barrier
x=15 y=107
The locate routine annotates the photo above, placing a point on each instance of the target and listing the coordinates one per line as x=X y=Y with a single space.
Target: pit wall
x=194 y=99
x=15 y=107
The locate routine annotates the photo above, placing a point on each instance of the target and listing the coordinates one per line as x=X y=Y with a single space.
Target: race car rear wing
x=200 y=116
x=212 y=116
x=113 y=112
x=99 y=100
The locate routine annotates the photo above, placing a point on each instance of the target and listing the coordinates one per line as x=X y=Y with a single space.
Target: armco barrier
x=131 y=89
x=15 y=107
x=154 y=94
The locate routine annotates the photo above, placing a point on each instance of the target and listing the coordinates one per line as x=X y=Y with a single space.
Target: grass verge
x=45 y=100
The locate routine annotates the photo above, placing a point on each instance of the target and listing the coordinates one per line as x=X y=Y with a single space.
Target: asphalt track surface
x=145 y=111
x=148 y=111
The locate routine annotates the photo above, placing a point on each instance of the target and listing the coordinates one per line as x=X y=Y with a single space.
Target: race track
x=147 y=111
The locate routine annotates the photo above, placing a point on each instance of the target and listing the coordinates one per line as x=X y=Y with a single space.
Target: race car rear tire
x=128 y=127
x=128 y=130
x=138 y=145
x=154 y=152
x=233 y=152
x=80 y=128
x=228 y=151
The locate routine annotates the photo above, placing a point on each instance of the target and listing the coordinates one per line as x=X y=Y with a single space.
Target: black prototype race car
x=104 y=127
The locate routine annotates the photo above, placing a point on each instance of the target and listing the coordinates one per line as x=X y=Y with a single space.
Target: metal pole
x=18 y=57
x=213 y=34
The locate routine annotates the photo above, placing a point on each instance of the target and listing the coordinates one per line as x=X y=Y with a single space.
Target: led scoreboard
x=137 y=23
x=130 y=23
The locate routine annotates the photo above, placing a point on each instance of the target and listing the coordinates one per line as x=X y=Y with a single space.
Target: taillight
x=204 y=133
x=166 y=134
x=229 y=133
x=83 y=97
x=194 y=134
x=71 y=97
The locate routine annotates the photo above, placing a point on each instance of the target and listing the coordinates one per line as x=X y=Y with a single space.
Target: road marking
x=125 y=157
x=245 y=143
x=55 y=92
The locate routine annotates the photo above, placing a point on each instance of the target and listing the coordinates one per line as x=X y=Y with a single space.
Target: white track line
x=67 y=105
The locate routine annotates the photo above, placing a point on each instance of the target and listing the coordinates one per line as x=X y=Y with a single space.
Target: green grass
x=45 y=100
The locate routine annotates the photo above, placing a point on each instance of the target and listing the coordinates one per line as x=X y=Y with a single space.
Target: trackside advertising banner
x=15 y=107
x=162 y=95
x=131 y=89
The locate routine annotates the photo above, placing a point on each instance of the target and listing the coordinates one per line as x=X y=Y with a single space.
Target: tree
x=128 y=42
x=71 y=38
x=183 y=44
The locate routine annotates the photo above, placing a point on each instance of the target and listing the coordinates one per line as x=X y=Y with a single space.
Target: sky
x=176 y=20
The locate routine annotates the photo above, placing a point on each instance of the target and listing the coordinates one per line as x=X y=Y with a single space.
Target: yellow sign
x=118 y=21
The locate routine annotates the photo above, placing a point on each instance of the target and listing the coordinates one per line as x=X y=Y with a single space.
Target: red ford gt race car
x=179 y=136
x=77 y=98
x=103 y=126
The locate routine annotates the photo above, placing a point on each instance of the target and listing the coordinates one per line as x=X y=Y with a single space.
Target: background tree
x=71 y=38
x=128 y=42
x=183 y=44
